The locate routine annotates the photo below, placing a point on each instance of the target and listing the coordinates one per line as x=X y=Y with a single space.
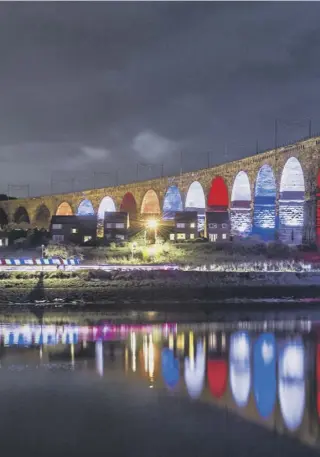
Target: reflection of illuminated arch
x=150 y=203
x=218 y=198
x=170 y=368
x=172 y=203
x=239 y=368
x=264 y=374
x=85 y=208
x=195 y=201
x=129 y=205
x=21 y=215
x=194 y=372
x=291 y=202
x=264 y=213
x=64 y=209
x=106 y=206
x=291 y=388
x=240 y=213
x=217 y=376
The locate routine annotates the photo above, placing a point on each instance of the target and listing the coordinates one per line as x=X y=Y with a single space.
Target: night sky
x=102 y=86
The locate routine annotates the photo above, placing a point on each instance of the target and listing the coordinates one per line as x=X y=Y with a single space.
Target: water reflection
x=257 y=371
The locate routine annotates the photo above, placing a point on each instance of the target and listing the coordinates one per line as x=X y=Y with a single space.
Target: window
x=87 y=238
x=212 y=226
x=109 y=225
x=171 y=236
x=57 y=226
x=192 y=225
x=213 y=237
x=58 y=238
x=181 y=236
x=74 y=230
x=224 y=226
x=191 y=236
x=181 y=225
x=120 y=237
x=119 y=225
x=224 y=236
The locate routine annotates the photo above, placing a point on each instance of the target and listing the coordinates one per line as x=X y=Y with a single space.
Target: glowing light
x=150 y=203
x=240 y=374
x=106 y=206
x=264 y=374
x=264 y=214
x=172 y=203
x=291 y=202
x=85 y=208
x=99 y=357
x=195 y=201
x=194 y=372
x=292 y=384
x=152 y=224
x=240 y=214
x=133 y=340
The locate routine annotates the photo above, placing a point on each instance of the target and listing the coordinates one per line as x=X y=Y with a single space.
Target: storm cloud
x=92 y=86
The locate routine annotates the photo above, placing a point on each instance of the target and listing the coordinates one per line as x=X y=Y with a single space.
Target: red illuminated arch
x=217 y=377
x=218 y=198
x=129 y=205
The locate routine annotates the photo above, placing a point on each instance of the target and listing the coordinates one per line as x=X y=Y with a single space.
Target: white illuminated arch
x=106 y=206
x=240 y=214
x=292 y=179
x=241 y=188
x=240 y=368
x=194 y=372
x=195 y=199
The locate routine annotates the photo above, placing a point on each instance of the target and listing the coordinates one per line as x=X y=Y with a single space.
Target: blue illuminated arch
x=85 y=208
x=291 y=202
x=170 y=368
x=106 y=206
x=264 y=214
x=240 y=214
x=196 y=201
x=194 y=372
x=239 y=366
x=172 y=203
x=264 y=374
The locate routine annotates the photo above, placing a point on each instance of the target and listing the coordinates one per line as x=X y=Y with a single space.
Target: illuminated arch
x=240 y=213
x=21 y=215
x=42 y=216
x=291 y=202
x=3 y=218
x=129 y=205
x=195 y=201
x=218 y=198
x=150 y=203
x=106 y=206
x=264 y=213
x=172 y=203
x=85 y=208
x=64 y=209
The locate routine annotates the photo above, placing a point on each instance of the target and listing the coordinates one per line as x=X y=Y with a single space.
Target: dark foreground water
x=249 y=389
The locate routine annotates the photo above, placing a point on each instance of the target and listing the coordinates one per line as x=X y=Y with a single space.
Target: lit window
x=57 y=226
x=74 y=230
x=119 y=225
x=172 y=236
x=120 y=237
x=87 y=238
x=58 y=238
x=181 y=236
x=192 y=225
x=191 y=236
x=212 y=226
x=181 y=225
x=224 y=236
x=224 y=226
x=109 y=225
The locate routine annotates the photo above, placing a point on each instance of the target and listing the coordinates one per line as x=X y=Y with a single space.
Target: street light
x=151 y=224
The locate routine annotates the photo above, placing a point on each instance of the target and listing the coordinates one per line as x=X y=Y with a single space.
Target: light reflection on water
x=267 y=372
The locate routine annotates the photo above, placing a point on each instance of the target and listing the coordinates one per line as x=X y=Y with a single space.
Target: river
x=235 y=388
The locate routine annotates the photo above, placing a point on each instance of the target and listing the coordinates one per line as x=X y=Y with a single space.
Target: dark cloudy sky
x=100 y=86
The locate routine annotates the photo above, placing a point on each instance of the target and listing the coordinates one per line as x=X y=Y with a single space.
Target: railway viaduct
x=276 y=189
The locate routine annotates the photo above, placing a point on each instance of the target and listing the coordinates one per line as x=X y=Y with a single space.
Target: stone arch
x=218 y=198
x=107 y=205
x=21 y=215
x=291 y=202
x=318 y=209
x=85 y=208
x=42 y=218
x=129 y=205
x=64 y=209
x=150 y=203
x=196 y=201
x=264 y=212
x=240 y=214
x=172 y=203
x=3 y=218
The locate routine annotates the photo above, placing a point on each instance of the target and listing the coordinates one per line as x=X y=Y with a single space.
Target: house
x=116 y=226
x=185 y=226
x=74 y=229
x=217 y=226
